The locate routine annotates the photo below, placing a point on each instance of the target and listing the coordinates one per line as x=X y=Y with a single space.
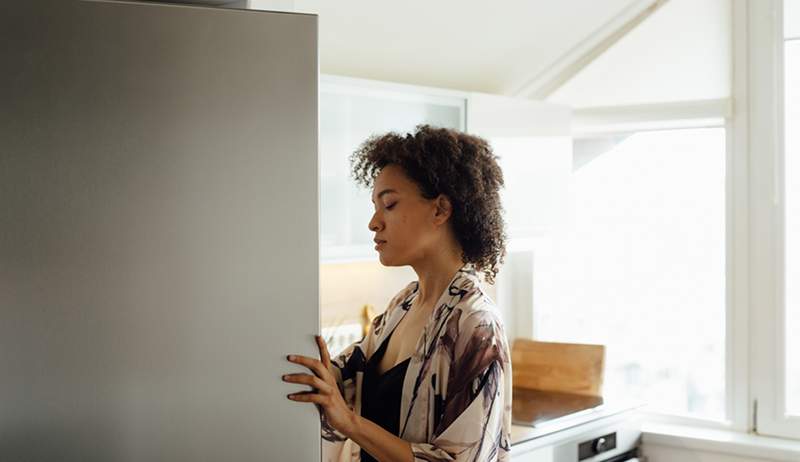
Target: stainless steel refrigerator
x=158 y=231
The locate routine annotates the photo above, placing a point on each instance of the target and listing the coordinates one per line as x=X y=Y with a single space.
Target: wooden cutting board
x=565 y=367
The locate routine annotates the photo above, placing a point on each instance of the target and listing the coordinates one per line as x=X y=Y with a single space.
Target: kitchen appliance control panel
x=597 y=445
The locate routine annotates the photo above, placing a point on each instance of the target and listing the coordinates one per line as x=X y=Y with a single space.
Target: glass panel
x=642 y=268
x=792 y=185
x=348 y=118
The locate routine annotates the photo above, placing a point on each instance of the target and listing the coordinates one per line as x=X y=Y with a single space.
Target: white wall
x=682 y=52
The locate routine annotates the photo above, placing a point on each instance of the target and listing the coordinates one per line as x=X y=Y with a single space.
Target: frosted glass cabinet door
x=349 y=115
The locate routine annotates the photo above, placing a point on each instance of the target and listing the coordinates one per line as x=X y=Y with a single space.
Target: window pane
x=642 y=268
x=792 y=185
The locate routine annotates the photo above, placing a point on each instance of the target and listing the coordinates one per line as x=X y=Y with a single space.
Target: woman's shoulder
x=473 y=300
x=475 y=330
x=480 y=316
x=474 y=321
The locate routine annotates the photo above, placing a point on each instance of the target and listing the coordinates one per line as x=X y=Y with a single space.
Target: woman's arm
x=381 y=444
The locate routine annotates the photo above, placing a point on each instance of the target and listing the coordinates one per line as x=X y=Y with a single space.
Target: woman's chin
x=387 y=260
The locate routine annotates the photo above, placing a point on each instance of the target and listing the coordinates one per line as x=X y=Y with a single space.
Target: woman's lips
x=380 y=245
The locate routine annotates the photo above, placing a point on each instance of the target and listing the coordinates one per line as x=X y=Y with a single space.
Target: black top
x=381 y=394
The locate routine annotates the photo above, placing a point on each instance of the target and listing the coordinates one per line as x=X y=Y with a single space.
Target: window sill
x=720 y=441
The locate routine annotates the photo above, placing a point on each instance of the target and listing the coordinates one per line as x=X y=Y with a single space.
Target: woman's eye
x=390 y=206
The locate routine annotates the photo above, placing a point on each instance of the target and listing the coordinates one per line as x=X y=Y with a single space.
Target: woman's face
x=410 y=225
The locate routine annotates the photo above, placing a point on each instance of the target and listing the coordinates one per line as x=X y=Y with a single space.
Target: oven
x=613 y=440
x=561 y=427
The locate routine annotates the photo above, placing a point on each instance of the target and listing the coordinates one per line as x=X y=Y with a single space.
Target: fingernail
x=283 y=377
x=290 y=396
x=290 y=357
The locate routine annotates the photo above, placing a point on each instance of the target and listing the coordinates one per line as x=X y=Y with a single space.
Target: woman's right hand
x=326 y=391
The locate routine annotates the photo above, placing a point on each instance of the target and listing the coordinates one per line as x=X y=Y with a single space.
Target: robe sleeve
x=348 y=369
x=475 y=422
x=345 y=367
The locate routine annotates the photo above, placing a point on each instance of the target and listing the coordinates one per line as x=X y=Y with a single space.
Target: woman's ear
x=444 y=209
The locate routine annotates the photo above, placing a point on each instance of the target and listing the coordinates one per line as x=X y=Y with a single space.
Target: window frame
x=765 y=97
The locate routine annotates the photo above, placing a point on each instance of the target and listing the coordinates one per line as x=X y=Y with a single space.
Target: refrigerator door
x=158 y=232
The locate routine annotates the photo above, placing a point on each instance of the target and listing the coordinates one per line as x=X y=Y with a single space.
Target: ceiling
x=467 y=45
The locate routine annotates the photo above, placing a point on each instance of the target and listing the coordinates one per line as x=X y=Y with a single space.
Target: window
x=662 y=217
x=641 y=269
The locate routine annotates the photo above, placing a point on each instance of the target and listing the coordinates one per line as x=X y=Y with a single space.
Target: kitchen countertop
x=521 y=434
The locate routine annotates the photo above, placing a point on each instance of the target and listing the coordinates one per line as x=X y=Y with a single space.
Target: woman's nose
x=374 y=224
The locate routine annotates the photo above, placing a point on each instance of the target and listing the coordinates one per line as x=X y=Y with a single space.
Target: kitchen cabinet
x=350 y=111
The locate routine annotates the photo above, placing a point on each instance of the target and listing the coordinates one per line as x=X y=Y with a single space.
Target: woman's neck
x=434 y=274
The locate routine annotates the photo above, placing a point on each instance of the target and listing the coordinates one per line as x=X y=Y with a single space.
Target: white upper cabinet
x=351 y=111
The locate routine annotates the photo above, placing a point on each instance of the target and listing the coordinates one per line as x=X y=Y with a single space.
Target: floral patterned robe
x=456 y=400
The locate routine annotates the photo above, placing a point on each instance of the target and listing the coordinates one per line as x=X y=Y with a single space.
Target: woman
x=431 y=381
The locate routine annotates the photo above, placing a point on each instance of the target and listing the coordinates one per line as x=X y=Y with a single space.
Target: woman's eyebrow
x=385 y=191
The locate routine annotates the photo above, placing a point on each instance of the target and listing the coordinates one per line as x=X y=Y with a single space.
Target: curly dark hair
x=458 y=165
